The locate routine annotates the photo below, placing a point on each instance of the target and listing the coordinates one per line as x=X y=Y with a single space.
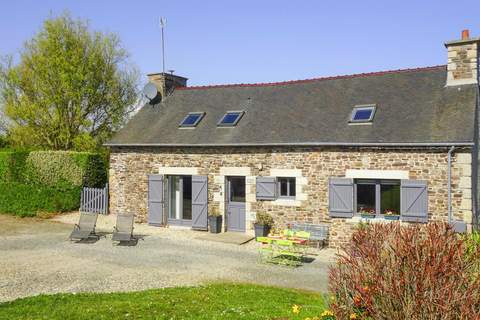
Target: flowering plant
x=390 y=212
x=367 y=211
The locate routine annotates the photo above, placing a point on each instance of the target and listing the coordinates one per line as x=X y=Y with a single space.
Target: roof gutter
x=306 y=144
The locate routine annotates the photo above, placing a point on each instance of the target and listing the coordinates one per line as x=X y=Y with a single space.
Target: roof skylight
x=362 y=114
x=230 y=119
x=192 y=119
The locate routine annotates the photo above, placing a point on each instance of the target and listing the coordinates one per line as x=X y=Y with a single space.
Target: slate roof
x=413 y=107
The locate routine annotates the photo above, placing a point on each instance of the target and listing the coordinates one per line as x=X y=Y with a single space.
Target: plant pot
x=261 y=230
x=392 y=217
x=368 y=215
x=215 y=223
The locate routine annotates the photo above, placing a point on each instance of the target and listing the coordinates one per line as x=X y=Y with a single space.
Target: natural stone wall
x=462 y=65
x=129 y=168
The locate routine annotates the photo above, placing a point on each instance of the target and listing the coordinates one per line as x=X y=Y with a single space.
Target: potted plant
x=263 y=224
x=390 y=214
x=215 y=221
x=367 y=213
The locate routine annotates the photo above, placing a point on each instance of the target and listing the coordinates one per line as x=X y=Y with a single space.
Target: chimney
x=463 y=60
x=167 y=82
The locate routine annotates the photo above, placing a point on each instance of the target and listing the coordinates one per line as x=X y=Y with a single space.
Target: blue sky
x=213 y=42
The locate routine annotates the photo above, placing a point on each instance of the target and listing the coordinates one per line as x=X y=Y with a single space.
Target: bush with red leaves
x=395 y=272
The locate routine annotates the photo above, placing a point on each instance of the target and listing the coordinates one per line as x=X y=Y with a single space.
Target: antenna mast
x=163 y=22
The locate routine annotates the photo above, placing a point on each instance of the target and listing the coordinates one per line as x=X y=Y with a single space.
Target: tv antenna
x=163 y=22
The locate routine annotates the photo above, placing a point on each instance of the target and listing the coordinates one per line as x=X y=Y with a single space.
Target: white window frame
x=289 y=182
x=357 y=108
x=193 y=125
x=230 y=125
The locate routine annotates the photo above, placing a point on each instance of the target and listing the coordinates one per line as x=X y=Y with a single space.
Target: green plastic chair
x=264 y=240
x=266 y=250
x=286 y=253
x=288 y=233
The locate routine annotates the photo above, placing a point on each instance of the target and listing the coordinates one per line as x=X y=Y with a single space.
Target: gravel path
x=36 y=258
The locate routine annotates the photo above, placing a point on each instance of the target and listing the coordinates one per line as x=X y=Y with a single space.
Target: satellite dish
x=150 y=91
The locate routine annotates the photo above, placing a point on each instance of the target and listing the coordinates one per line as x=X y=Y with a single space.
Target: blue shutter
x=414 y=201
x=266 y=188
x=340 y=197
x=155 y=200
x=199 y=202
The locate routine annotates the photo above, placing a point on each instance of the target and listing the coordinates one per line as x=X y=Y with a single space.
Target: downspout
x=450 y=217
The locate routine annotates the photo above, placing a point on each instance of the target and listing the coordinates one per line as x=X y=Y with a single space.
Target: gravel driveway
x=35 y=258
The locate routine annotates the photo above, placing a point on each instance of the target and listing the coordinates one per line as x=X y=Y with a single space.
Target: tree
x=71 y=89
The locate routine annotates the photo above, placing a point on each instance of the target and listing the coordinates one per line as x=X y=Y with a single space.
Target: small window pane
x=293 y=191
x=362 y=114
x=366 y=198
x=230 y=118
x=287 y=187
x=192 y=119
x=237 y=189
x=283 y=187
x=390 y=198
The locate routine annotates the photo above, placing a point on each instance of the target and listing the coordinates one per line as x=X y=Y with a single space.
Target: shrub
x=49 y=181
x=12 y=165
x=53 y=168
x=264 y=218
x=3 y=141
x=28 y=200
x=388 y=271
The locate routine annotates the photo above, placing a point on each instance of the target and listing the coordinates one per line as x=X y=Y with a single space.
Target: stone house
x=316 y=151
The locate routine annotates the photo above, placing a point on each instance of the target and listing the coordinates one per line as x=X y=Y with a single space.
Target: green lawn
x=214 y=301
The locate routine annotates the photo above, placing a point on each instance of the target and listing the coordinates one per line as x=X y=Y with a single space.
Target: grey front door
x=236 y=204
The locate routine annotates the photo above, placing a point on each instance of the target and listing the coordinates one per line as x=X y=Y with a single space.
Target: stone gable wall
x=312 y=166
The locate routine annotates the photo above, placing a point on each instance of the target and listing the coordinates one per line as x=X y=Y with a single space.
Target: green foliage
x=54 y=168
x=216 y=301
x=3 y=141
x=26 y=200
x=12 y=165
x=390 y=271
x=264 y=219
x=71 y=89
x=47 y=181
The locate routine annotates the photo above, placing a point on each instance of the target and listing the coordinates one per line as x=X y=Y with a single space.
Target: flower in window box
x=367 y=212
x=390 y=214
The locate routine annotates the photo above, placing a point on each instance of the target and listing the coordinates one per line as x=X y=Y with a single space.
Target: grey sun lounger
x=85 y=229
x=123 y=230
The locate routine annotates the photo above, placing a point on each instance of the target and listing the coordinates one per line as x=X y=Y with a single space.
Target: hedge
x=53 y=168
x=28 y=200
x=47 y=181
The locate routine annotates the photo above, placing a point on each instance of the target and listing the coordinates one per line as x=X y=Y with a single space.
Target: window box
x=392 y=217
x=367 y=215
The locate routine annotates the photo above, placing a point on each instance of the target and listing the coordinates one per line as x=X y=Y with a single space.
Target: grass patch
x=214 y=301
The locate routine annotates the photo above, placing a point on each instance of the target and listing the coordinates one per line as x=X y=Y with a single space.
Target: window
x=236 y=187
x=286 y=188
x=230 y=119
x=179 y=199
x=192 y=119
x=362 y=114
x=377 y=197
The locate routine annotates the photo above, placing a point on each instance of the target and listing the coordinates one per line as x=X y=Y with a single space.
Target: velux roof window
x=192 y=119
x=362 y=114
x=230 y=119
